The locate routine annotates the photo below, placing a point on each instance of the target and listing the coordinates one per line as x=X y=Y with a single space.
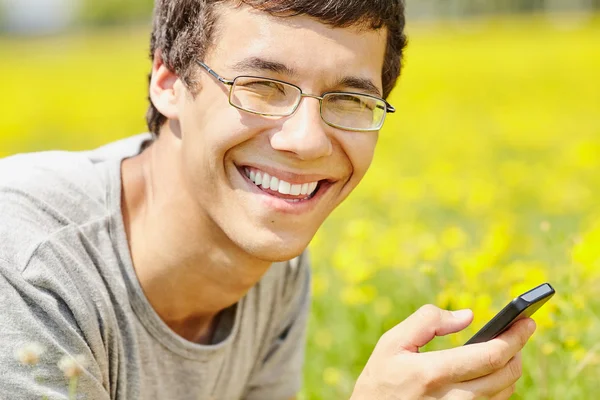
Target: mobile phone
x=521 y=307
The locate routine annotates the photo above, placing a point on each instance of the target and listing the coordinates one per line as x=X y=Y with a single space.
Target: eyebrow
x=260 y=64
x=360 y=83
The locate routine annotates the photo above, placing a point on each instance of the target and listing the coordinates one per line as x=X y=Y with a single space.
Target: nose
x=304 y=133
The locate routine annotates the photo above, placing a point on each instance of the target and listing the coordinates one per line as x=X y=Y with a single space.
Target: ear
x=162 y=88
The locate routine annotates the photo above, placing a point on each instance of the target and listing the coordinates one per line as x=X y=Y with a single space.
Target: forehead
x=305 y=45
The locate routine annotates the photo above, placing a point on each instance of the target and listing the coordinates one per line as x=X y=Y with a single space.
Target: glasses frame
x=388 y=107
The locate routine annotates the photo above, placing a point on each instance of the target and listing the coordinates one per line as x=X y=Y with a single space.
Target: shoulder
x=41 y=193
x=48 y=173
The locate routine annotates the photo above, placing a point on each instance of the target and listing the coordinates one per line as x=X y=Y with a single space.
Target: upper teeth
x=279 y=185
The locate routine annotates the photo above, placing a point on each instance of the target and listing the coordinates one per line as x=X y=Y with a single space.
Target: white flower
x=72 y=366
x=30 y=353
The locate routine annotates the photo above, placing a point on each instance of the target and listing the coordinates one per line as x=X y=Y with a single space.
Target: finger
x=496 y=382
x=505 y=394
x=530 y=324
x=476 y=360
x=422 y=326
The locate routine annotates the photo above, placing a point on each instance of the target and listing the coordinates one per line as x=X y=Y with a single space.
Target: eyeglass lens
x=274 y=98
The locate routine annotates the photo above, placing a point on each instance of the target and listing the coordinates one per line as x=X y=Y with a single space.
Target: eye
x=261 y=85
x=352 y=102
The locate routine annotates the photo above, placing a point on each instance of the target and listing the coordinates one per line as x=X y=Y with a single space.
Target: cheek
x=216 y=126
x=210 y=135
x=360 y=150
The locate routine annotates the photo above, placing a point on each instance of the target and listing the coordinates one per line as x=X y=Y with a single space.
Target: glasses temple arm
x=389 y=108
x=213 y=73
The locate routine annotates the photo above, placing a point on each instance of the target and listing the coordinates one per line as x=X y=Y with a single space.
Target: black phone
x=521 y=307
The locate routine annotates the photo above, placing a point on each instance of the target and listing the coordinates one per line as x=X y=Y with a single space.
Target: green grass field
x=485 y=183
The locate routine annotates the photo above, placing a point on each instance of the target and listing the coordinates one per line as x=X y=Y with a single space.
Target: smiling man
x=174 y=263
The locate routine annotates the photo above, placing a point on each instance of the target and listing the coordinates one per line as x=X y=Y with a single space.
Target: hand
x=396 y=370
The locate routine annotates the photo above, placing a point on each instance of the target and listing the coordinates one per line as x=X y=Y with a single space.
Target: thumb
x=426 y=323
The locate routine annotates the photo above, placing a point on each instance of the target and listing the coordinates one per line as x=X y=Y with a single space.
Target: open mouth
x=276 y=187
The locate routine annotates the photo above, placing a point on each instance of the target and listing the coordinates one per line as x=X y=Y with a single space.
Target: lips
x=287 y=203
x=280 y=187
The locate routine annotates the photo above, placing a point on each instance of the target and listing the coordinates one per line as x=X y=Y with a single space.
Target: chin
x=274 y=248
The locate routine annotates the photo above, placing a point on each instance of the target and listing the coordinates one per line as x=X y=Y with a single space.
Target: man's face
x=221 y=145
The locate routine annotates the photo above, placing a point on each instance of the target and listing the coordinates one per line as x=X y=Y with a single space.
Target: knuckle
x=423 y=375
x=430 y=377
x=495 y=359
x=408 y=373
x=384 y=341
x=515 y=368
x=429 y=312
x=523 y=338
x=427 y=381
x=388 y=375
x=385 y=337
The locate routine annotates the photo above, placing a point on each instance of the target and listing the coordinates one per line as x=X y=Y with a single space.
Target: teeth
x=284 y=187
x=266 y=181
x=295 y=189
x=275 y=184
x=304 y=189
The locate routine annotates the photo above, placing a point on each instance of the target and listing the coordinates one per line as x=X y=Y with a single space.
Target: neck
x=188 y=268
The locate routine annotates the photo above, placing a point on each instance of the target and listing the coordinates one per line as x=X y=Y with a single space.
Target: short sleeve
x=37 y=329
x=279 y=375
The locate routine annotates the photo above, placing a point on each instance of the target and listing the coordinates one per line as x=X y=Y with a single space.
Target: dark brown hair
x=183 y=30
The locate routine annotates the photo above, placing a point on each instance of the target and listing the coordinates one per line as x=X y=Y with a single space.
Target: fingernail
x=461 y=314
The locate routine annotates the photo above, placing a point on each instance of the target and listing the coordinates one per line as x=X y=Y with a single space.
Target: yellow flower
x=453 y=238
x=323 y=338
x=352 y=266
x=579 y=353
x=571 y=342
x=548 y=348
x=357 y=295
x=320 y=284
x=445 y=298
x=498 y=239
x=383 y=306
x=523 y=275
x=586 y=252
x=481 y=196
x=332 y=376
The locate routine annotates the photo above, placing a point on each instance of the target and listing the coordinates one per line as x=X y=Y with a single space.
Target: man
x=174 y=265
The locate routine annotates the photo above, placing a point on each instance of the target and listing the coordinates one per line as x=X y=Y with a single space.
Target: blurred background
x=485 y=182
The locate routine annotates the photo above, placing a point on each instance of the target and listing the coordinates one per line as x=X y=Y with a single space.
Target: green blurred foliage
x=108 y=12
x=484 y=184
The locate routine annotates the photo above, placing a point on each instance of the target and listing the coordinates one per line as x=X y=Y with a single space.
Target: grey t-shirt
x=67 y=282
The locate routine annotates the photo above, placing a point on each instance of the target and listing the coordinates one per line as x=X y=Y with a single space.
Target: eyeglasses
x=275 y=98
